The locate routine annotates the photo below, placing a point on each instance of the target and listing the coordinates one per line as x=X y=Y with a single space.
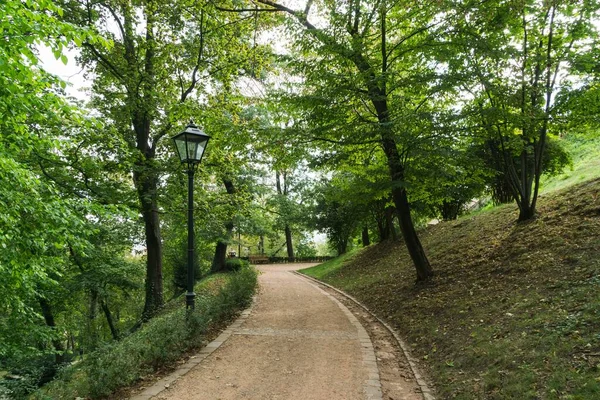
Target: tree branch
x=307 y=8
x=105 y=63
x=186 y=93
x=115 y=16
x=241 y=10
x=299 y=15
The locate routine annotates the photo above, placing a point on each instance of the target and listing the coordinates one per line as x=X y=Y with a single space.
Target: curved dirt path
x=297 y=342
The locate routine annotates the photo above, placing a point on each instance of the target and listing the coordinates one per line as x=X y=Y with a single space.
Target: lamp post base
x=189 y=300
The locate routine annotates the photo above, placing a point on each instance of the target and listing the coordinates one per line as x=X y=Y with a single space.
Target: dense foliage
x=363 y=120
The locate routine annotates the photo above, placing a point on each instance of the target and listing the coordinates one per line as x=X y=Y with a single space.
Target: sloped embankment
x=159 y=344
x=514 y=309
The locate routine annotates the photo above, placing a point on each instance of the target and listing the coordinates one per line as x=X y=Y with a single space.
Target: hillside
x=584 y=148
x=514 y=309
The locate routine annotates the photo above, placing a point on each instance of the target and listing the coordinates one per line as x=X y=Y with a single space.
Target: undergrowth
x=159 y=342
x=513 y=311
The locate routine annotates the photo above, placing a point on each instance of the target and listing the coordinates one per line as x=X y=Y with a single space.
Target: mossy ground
x=513 y=311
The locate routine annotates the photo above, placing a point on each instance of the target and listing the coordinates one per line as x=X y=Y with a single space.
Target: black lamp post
x=190 y=145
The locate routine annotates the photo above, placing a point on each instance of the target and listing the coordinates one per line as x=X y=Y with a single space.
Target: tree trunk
x=413 y=244
x=342 y=247
x=140 y=100
x=92 y=329
x=526 y=212
x=218 y=263
x=59 y=357
x=288 y=243
x=109 y=319
x=383 y=230
x=146 y=182
x=365 y=236
x=283 y=191
x=450 y=209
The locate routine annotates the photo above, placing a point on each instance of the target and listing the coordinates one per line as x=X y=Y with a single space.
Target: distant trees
x=459 y=99
x=369 y=57
x=337 y=212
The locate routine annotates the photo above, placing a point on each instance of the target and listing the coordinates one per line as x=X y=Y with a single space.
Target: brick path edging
x=425 y=389
x=164 y=383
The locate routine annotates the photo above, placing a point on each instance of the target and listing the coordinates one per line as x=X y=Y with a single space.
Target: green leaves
x=39 y=222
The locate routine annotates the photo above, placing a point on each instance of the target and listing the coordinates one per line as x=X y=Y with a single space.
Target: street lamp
x=190 y=145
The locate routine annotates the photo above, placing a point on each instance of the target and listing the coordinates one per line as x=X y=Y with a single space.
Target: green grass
x=584 y=149
x=319 y=271
x=159 y=342
x=514 y=309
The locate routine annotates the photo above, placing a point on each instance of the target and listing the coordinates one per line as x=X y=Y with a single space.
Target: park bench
x=258 y=259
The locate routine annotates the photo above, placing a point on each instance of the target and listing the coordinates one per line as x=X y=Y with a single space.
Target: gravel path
x=297 y=342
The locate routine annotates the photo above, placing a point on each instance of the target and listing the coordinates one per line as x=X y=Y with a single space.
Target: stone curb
x=425 y=389
x=372 y=385
x=167 y=381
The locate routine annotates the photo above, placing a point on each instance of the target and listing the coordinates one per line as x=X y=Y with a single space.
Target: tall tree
x=149 y=83
x=369 y=40
x=518 y=54
x=282 y=182
x=218 y=263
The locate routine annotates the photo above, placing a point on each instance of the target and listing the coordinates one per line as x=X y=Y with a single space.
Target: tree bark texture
x=220 y=257
x=146 y=183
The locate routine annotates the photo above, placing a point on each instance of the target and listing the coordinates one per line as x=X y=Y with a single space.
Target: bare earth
x=297 y=343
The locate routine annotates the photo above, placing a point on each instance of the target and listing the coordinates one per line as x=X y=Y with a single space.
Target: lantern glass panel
x=181 y=147
x=195 y=147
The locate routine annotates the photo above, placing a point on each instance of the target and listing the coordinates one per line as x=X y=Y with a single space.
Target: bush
x=25 y=375
x=161 y=341
x=235 y=264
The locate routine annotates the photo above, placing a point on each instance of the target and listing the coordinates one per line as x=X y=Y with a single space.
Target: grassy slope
x=514 y=309
x=585 y=151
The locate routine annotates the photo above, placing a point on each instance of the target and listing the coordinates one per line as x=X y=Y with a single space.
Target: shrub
x=235 y=264
x=161 y=341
